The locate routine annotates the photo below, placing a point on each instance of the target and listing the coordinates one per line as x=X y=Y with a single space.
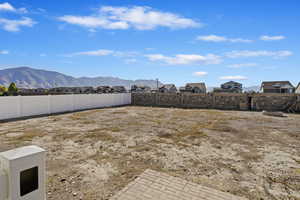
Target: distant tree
x=3 y=90
x=12 y=89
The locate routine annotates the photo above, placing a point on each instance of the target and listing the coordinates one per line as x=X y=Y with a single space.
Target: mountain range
x=26 y=77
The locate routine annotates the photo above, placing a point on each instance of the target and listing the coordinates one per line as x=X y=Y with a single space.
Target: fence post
x=181 y=99
x=20 y=106
x=90 y=101
x=73 y=102
x=49 y=105
x=213 y=101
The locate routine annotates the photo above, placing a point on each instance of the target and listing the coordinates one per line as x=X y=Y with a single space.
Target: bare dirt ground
x=93 y=154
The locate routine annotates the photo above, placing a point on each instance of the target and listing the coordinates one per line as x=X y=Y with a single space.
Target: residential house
x=86 y=90
x=103 y=89
x=34 y=91
x=182 y=89
x=140 y=89
x=232 y=86
x=118 y=89
x=277 y=87
x=298 y=89
x=168 y=88
x=193 y=88
x=154 y=90
x=72 y=90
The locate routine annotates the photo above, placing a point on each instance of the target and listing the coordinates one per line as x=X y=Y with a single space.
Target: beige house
x=277 y=87
x=168 y=88
x=194 y=88
x=298 y=89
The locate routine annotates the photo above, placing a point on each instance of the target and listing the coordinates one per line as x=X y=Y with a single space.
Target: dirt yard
x=93 y=154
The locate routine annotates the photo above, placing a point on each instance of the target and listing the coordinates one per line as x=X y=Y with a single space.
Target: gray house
x=232 y=86
x=34 y=91
x=168 y=88
x=194 y=88
x=103 y=89
x=71 y=90
x=118 y=89
x=140 y=89
x=277 y=87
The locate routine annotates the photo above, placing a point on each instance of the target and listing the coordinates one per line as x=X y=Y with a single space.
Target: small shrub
x=12 y=89
x=3 y=90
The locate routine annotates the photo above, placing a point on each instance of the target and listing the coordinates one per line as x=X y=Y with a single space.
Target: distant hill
x=26 y=77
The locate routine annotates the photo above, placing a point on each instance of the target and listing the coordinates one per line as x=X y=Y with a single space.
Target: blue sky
x=176 y=41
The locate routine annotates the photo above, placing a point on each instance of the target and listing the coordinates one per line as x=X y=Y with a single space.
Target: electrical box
x=22 y=174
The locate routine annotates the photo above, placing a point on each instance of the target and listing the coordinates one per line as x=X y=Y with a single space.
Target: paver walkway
x=152 y=185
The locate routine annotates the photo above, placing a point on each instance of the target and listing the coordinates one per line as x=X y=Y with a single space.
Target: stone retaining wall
x=272 y=102
x=226 y=101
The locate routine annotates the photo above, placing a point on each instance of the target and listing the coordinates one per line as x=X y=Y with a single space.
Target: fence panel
x=24 y=106
x=34 y=105
x=81 y=101
x=61 y=103
x=10 y=107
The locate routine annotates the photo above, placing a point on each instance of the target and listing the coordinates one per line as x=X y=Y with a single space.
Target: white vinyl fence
x=25 y=106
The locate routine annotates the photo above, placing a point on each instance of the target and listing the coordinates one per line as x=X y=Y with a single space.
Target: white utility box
x=22 y=174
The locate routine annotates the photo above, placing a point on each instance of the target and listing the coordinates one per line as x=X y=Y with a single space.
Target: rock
x=62 y=180
x=131 y=143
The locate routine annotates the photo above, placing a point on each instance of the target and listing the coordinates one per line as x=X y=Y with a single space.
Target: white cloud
x=200 y=73
x=104 y=52
x=137 y=17
x=185 y=59
x=212 y=38
x=272 y=38
x=100 y=52
x=9 y=8
x=14 y=25
x=43 y=55
x=246 y=53
x=4 y=52
x=238 y=77
x=125 y=53
x=93 y=22
x=215 y=38
x=243 y=65
x=22 y=10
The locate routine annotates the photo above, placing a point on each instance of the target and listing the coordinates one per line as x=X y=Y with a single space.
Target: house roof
x=199 y=85
x=118 y=86
x=232 y=82
x=276 y=84
x=140 y=86
x=298 y=86
x=168 y=86
x=103 y=86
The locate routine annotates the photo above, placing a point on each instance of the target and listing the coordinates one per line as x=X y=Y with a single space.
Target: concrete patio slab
x=152 y=185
